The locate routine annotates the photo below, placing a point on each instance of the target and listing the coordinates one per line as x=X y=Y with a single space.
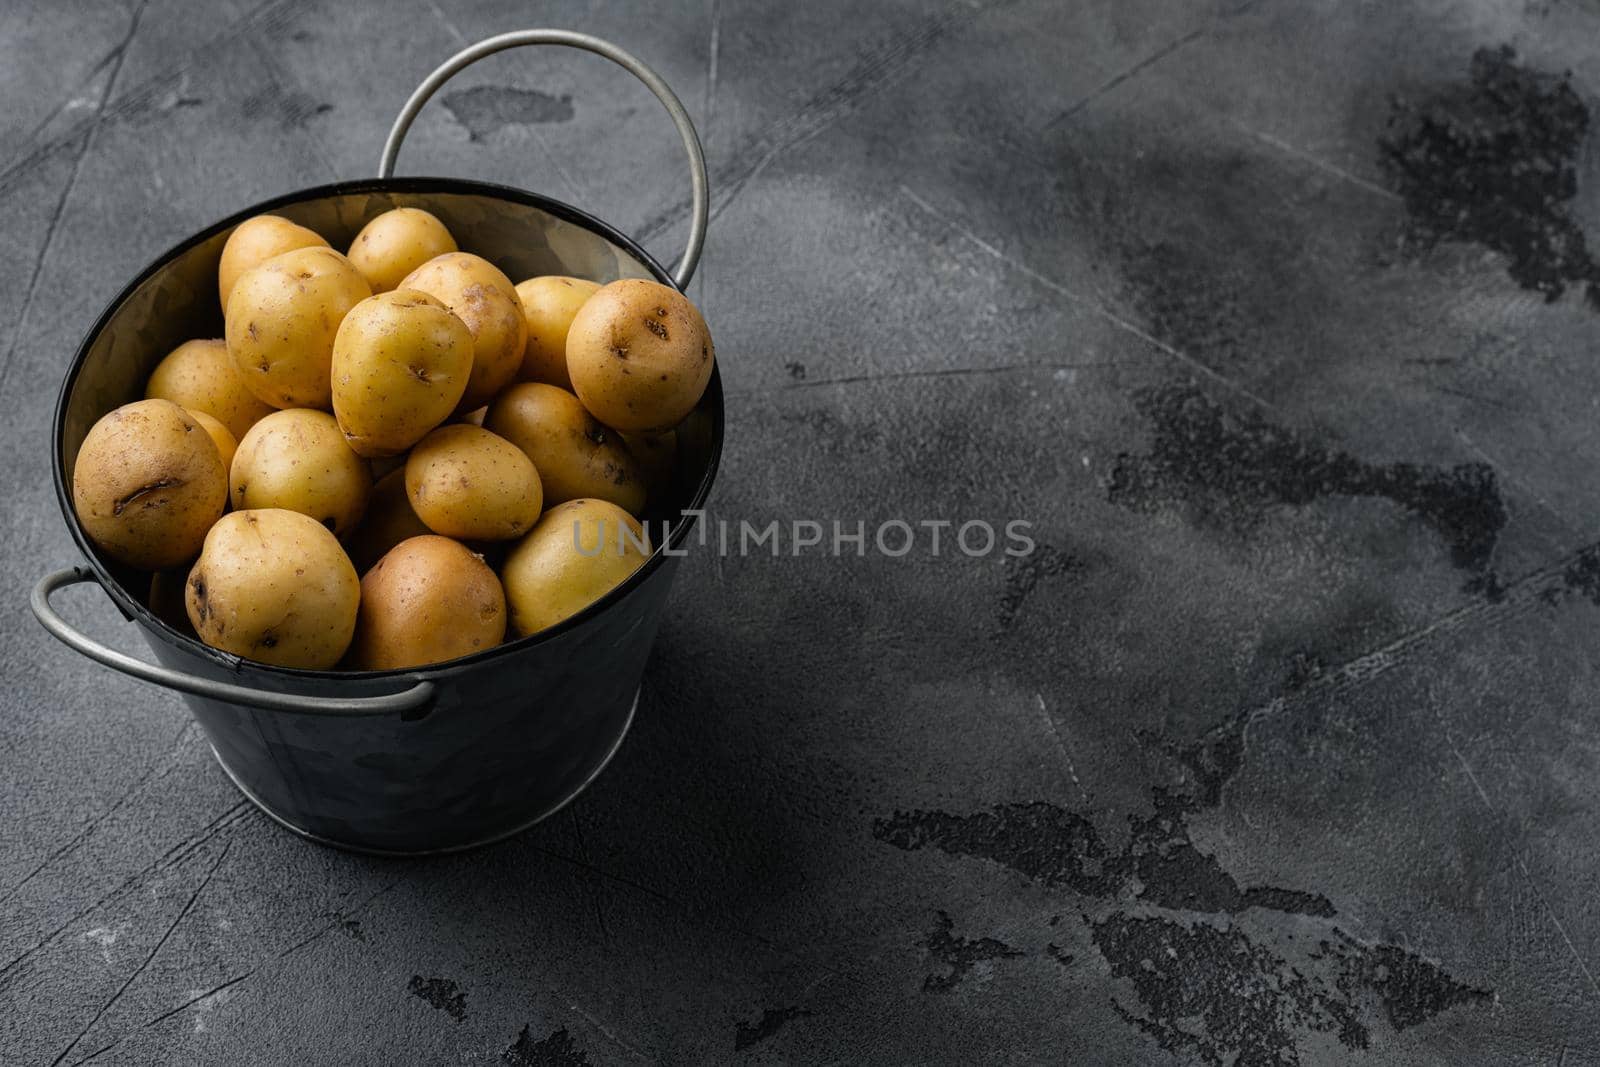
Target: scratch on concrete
x=1092 y=305
x=119 y=53
x=141 y=96
x=1316 y=161
x=1175 y=45
x=876 y=71
x=182 y=914
x=1061 y=746
x=1522 y=863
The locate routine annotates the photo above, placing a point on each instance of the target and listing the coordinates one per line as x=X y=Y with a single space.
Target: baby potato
x=400 y=364
x=576 y=554
x=253 y=242
x=548 y=305
x=396 y=243
x=430 y=599
x=639 y=355
x=388 y=521
x=483 y=298
x=274 y=586
x=226 y=445
x=281 y=322
x=297 y=460
x=574 y=454
x=467 y=483
x=200 y=376
x=148 y=483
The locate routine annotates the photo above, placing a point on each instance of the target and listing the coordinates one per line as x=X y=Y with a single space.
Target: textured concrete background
x=1277 y=319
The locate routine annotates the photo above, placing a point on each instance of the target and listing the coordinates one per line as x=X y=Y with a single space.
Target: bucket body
x=505 y=744
x=511 y=734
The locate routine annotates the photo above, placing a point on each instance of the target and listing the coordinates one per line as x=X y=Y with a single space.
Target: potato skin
x=483 y=298
x=388 y=521
x=401 y=361
x=639 y=355
x=281 y=322
x=226 y=445
x=396 y=243
x=148 y=483
x=253 y=242
x=547 y=578
x=549 y=303
x=200 y=376
x=297 y=460
x=467 y=483
x=274 y=586
x=574 y=454
x=428 y=600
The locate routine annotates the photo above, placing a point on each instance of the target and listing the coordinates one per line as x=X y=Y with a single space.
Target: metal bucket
x=441 y=758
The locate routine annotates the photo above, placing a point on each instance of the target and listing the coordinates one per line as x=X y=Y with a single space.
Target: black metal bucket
x=420 y=761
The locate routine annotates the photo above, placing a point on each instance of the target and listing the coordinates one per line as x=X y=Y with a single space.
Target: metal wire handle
x=684 y=270
x=409 y=700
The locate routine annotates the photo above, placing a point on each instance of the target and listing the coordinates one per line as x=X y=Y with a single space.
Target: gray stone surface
x=1276 y=319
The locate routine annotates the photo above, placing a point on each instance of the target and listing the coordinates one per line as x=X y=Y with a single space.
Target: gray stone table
x=1277 y=321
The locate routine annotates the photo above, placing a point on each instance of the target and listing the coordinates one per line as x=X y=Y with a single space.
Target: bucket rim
x=133 y=609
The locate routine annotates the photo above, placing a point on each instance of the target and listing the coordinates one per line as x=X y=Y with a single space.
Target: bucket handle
x=701 y=211
x=409 y=700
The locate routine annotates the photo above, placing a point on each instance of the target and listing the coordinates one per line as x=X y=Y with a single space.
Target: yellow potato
x=274 y=586
x=226 y=445
x=297 y=460
x=281 y=322
x=430 y=599
x=148 y=483
x=469 y=484
x=200 y=376
x=253 y=242
x=548 y=306
x=574 y=454
x=484 y=299
x=400 y=364
x=578 y=552
x=389 y=520
x=396 y=243
x=639 y=355
x=657 y=456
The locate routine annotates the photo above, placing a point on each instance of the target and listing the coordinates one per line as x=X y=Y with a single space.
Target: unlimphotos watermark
x=893 y=538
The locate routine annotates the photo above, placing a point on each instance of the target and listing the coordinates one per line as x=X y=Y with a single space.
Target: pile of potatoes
x=338 y=481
